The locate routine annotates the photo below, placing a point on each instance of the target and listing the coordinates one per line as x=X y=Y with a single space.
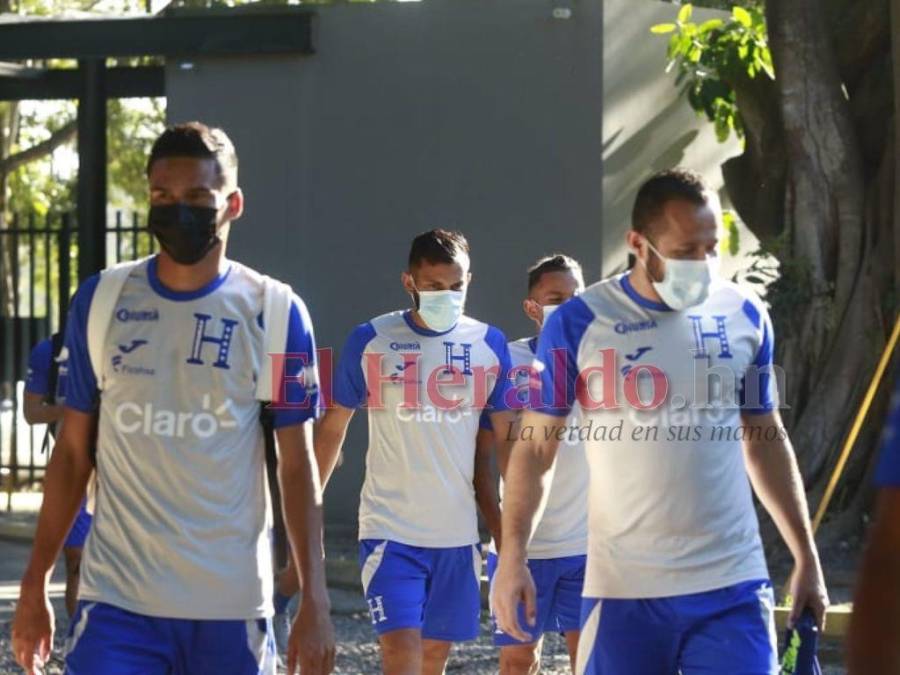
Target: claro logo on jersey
x=134 y=418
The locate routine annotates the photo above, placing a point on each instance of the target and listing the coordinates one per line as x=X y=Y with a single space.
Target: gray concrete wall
x=646 y=125
x=481 y=115
x=490 y=116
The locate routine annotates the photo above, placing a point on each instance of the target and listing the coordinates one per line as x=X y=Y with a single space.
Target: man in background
x=557 y=551
x=873 y=644
x=43 y=404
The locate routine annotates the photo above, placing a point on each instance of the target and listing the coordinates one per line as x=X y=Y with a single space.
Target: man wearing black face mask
x=176 y=575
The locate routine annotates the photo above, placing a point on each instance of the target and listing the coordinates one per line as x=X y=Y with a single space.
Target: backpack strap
x=103 y=305
x=277 y=302
x=56 y=345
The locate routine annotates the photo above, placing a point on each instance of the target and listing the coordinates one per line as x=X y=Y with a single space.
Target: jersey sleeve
x=556 y=357
x=39 y=363
x=759 y=390
x=887 y=473
x=499 y=399
x=301 y=372
x=350 y=388
x=81 y=382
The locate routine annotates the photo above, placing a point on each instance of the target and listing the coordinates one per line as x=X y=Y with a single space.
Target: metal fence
x=38 y=274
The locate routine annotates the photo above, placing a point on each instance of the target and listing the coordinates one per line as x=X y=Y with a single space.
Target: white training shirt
x=181 y=524
x=562 y=529
x=418 y=488
x=671 y=510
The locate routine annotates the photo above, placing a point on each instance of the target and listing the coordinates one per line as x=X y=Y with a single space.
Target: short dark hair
x=661 y=188
x=557 y=262
x=438 y=246
x=195 y=139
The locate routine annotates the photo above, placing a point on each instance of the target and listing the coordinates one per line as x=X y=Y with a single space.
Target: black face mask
x=186 y=233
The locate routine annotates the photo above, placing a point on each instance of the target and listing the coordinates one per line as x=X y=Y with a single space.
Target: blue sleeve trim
x=558 y=346
x=887 y=473
x=350 y=388
x=484 y=421
x=302 y=395
x=763 y=395
x=498 y=399
x=752 y=313
x=39 y=364
x=81 y=383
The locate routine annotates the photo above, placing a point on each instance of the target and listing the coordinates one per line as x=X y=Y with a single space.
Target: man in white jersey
x=176 y=574
x=557 y=549
x=424 y=375
x=672 y=367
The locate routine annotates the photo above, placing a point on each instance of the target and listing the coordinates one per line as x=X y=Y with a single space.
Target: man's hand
x=513 y=584
x=808 y=590
x=311 y=643
x=32 y=630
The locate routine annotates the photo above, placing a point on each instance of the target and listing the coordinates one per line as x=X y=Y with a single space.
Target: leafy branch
x=712 y=55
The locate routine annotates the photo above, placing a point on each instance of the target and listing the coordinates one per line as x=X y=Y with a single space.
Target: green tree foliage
x=807 y=85
x=710 y=55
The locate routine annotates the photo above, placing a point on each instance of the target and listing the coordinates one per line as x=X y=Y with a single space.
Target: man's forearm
x=524 y=489
x=776 y=479
x=327 y=449
x=487 y=501
x=42 y=413
x=302 y=507
x=64 y=488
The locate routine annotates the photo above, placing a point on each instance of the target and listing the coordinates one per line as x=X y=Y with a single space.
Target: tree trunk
x=895 y=44
x=836 y=199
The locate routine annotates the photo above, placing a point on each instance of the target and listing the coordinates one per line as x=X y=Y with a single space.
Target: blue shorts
x=437 y=590
x=730 y=630
x=107 y=640
x=558 y=582
x=80 y=528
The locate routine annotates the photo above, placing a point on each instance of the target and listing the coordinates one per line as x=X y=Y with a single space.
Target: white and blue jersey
x=40 y=361
x=888 y=471
x=662 y=394
x=181 y=527
x=556 y=550
x=562 y=529
x=424 y=391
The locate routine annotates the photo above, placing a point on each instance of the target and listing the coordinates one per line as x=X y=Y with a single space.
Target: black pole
x=92 y=168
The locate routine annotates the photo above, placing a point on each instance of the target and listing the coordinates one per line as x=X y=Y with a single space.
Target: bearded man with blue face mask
x=425 y=375
x=673 y=366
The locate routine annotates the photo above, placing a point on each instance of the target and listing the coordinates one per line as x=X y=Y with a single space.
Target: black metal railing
x=38 y=273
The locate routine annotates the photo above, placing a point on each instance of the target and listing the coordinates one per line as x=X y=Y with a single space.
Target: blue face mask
x=440 y=310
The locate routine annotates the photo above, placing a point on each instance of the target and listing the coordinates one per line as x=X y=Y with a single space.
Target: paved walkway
x=357 y=649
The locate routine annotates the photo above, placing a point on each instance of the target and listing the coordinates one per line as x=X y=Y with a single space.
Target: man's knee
x=401 y=652
x=520 y=659
x=436 y=650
